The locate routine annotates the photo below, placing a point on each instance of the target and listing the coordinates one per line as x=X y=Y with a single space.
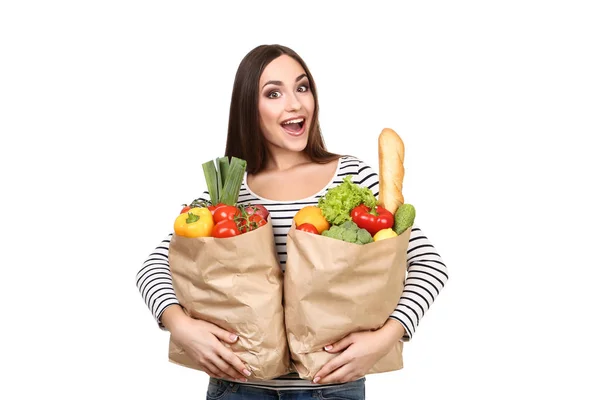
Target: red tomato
x=185 y=209
x=258 y=219
x=306 y=227
x=251 y=223
x=257 y=209
x=225 y=213
x=226 y=228
x=213 y=207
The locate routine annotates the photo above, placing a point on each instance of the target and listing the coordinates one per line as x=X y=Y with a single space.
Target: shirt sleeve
x=155 y=283
x=426 y=272
x=154 y=279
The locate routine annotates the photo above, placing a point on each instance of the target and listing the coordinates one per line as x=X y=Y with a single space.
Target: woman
x=273 y=125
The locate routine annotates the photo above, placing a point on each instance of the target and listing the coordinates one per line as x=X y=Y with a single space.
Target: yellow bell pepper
x=197 y=222
x=384 y=234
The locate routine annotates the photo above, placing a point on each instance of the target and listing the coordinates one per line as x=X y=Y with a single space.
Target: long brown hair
x=244 y=137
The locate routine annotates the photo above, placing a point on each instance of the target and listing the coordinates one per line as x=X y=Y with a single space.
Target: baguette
x=391 y=170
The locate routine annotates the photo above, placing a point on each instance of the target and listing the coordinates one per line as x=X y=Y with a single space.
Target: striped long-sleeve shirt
x=426 y=272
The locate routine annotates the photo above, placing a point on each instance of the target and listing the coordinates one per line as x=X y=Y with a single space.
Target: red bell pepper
x=373 y=220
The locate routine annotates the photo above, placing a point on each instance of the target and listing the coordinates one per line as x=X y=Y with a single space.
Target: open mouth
x=294 y=126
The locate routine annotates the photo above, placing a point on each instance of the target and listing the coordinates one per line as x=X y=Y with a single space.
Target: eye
x=303 y=88
x=274 y=94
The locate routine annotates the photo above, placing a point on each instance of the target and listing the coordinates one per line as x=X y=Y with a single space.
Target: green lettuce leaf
x=340 y=200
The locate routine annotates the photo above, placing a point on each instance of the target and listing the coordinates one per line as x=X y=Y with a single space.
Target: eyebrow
x=279 y=83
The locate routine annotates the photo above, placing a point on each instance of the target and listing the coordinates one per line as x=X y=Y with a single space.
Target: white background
x=108 y=109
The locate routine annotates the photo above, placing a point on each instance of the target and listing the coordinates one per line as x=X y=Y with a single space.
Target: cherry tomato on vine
x=251 y=223
x=257 y=209
x=185 y=209
x=213 y=207
x=225 y=229
x=226 y=213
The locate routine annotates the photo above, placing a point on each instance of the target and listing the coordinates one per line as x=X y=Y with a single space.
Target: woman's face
x=286 y=105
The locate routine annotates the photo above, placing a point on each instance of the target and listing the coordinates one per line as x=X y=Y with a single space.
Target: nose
x=293 y=104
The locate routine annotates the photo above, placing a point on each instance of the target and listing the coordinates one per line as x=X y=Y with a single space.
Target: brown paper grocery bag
x=235 y=283
x=333 y=288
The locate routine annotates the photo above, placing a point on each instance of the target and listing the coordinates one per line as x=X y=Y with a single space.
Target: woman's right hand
x=201 y=341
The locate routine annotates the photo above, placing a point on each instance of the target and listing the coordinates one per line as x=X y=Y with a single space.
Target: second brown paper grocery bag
x=333 y=288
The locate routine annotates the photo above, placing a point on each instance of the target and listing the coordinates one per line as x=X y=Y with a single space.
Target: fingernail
x=233 y=337
x=328 y=347
x=246 y=372
x=317 y=379
x=243 y=380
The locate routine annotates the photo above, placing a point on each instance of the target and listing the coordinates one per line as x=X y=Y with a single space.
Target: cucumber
x=404 y=217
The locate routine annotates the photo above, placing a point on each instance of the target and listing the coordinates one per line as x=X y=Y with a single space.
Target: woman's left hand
x=360 y=351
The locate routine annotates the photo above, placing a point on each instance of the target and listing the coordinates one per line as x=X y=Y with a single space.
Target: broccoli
x=349 y=232
x=349 y=236
x=363 y=236
x=334 y=232
x=349 y=225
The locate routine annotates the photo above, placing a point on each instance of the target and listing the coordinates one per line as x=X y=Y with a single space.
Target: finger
x=234 y=361
x=227 y=369
x=340 y=345
x=212 y=370
x=340 y=375
x=223 y=334
x=209 y=372
x=330 y=366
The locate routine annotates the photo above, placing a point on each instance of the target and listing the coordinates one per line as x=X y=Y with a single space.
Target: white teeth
x=294 y=121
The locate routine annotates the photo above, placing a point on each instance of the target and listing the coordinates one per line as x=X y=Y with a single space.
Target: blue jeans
x=224 y=390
